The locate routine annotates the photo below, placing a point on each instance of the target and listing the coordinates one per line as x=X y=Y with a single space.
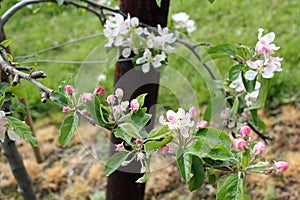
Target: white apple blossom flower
x=180 y=121
x=259 y=67
x=264 y=45
x=250 y=98
x=128 y=48
x=238 y=84
x=183 y=21
x=147 y=60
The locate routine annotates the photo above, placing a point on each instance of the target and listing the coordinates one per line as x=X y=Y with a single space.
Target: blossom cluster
x=149 y=47
x=182 y=121
x=246 y=141
x=182 y=21
x=262 y=63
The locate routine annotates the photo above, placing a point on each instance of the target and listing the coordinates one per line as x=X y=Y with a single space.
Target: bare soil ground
x=76 y=172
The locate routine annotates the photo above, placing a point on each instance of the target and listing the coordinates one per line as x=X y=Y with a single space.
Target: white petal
x=268 y=38
x=134 y=21
x=250 y=75
x=126 y=52
x=2 y=113
x=140 y=60
x=146 y=67
x=12 y=135
x=162 y=120
x=184 y=132
x=260 y=31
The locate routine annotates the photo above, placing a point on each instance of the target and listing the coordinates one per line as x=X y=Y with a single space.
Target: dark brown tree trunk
x=121 y=184
x=12 y=155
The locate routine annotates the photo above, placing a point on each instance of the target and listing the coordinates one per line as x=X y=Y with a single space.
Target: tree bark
x=121 y=184
x=13 y=157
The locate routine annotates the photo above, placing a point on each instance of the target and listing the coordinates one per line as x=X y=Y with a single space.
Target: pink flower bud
x=202 y=124
x=239 y=144
x=65 y=109
x=119 y=93
x=192 y=111
x=119 y=147
x=281 y=166
x=116 y=109
x=99 y=90
x=85 y=112
x=245 y=131
x=69 y=89
x=111 y=99
x=259 y=148
x=138 y=141
x=164 y=149
x=134 y=105
x=87 y=97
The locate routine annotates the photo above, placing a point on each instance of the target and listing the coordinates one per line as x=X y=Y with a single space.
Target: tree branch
x=8 y=69
x=259 y=133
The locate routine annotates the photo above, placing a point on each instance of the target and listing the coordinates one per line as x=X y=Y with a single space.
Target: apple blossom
x=192 y=111
x=87 y=97
x=119 y=93
x=134 y=105
x=119 y=147
x=164 y=149
x=182 y=20
x=101 y=78
x=110 y=99
x=259 y=148
x=180 y=121
x=99 y=90
x=138 y=141
x=245 y=131
x=251 y=97
x=264 y=45
x=202 y=124
x=140 y=156
x=65 y=109
x=85 y=112
x=239 y=144
x=69 y=89
x=148 y=59
x=281 y=166
x=124 y=105
x=238 y=84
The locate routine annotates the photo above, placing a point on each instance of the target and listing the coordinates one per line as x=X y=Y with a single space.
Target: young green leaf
x=184 y=162
x=223 y=50
x=158 y=2
x=141 y=99
x=200 y=148
x=212 y=178
x=59 y=98
x=130 y=130
x=211 y=1
x=140 y=118
x=68 y=129
x=151 y=146
x=249 y=85
x=234 y=72
x=262 y=96
x=256 y=121
x=19 y=108
x=98 y=112
x=6 y=43
x=219 y=152
x=115 y=161
x=215 y=136
x=198 y=174
x=18 y=90
x=158 y=133
x=22 y=130
x=235 y=107
x=121 y=134
x=231 y=187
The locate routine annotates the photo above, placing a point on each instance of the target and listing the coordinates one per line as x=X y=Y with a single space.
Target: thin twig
x=259 y=133
x=17 y=58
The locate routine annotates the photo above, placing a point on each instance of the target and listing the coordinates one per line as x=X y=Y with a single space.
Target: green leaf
x=130 y=130
x=6 y=43
x=140 y=118
x=68 y=129
x=184 y=162
x=98 y=112
x=115 y=161
x=256 y=121
x=234 y=72
x=230 y=188
x=60 y=2
x=59 y=98
x=3 y=86
x=214 y=107
x=219 y=152
x=211 y=1
x=158 y=2
x=20 y=109
x=141 y=99
x=121 y=134
x=198 y=174
x=262 y=96
x=249 y=85
x=215 y=136
x=223 y=50
x=200 y=148
x=22 y=130
x=246 y=158
x=212 y=178
x=158 y=133
x=235 y=107
x=18 y=90
x=151 y=146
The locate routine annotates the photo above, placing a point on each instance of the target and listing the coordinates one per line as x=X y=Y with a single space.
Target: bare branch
x=259 y=133
x=89 y=119
x=7 y=68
